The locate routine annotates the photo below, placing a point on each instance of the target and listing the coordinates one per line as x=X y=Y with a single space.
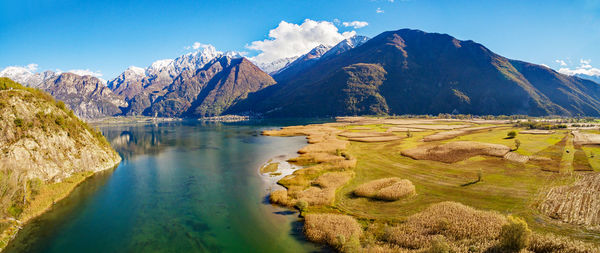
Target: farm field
x=467 y=166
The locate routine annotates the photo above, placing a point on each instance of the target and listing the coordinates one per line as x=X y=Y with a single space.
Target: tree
x=514 y=235
x=517 y=144
x=512 y=134
x=301 y=205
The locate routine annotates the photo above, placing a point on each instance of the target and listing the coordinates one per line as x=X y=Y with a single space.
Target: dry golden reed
x=329 y=228
x=388 y=189
x=456 y=151
x=454 y=221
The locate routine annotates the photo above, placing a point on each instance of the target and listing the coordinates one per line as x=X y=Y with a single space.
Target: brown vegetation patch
x=559 y=244
x=585 y=138
x=457 y=222
x=576 y=204
x=364 y=134
x=549 y=158
x=580 y=160
x=404 y=129
x=377 y=139
x=322 y=191
x=454 y=133
x=280 y=197
x=516 y=157
x=331 y=229
x=456 y=151
x=537 y=131
x=269 y=168
x=388 y=189
x=437 y=127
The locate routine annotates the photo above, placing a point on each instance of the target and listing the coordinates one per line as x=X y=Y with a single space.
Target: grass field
x=481 y=182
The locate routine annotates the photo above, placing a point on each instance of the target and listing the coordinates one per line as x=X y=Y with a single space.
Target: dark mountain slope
x=207 y=91
x=427 y=73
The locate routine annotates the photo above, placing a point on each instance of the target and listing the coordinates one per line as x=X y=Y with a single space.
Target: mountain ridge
x=427 y=73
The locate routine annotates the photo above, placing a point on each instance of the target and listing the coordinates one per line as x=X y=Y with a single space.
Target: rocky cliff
x=42 y=143
x=87 y=96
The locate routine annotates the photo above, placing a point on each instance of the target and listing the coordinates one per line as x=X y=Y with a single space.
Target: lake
x=182 y=187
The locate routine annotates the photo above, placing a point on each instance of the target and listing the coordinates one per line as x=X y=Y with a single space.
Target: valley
x=526 y=180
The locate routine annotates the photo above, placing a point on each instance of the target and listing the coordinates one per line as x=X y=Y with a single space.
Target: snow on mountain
x=346 y=45
x=274 y=66
x=305 y=59
x=26 y=75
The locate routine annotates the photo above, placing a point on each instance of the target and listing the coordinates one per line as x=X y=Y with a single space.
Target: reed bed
x=585 y=138
x=388 y=189
x=332 y=229
x=454 y=221
x=364 y=134
x=377 y=138
x=454 y=133
x=559 y=244
x=456 y=151
x=576 y=204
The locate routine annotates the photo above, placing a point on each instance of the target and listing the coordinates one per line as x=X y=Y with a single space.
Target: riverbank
x=48 y=195
x=350 y=155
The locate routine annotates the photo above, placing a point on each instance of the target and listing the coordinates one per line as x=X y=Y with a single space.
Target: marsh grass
x=549 y=243
x=456 y=151
x=455 y=221
x=269 y=168
x=330 y=228
x=388 y=189
x=413 y=224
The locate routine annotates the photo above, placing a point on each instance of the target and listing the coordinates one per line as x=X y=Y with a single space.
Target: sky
x=105 y=37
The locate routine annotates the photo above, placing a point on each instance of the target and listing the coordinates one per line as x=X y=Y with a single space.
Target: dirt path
x=566 y=164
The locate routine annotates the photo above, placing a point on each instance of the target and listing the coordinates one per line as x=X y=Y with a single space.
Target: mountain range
x=397 y=72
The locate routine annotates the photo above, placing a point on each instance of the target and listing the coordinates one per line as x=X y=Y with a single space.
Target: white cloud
x=356 y=24
x=585 y=68
x=85 y=72
x=289 y=40
x=561 y=62
x=32 y=67
x=585 y=63
x=379 y=10
x=196 y=45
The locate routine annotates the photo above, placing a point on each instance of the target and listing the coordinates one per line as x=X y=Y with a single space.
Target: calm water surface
x=182 y=187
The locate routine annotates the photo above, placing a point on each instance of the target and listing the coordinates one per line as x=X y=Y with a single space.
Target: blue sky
x=109 y=36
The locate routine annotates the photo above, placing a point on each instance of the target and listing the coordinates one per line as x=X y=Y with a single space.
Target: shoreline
x=13 y=230
x=321 y=188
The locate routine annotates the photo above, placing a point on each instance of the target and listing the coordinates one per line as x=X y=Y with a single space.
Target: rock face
x=41 y=139
x=428 y=73
x=159 y=74
x=207 y=91
x=576 y=204
x=87 y=96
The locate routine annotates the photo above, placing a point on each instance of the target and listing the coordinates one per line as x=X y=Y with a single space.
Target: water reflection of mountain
x=133 y=140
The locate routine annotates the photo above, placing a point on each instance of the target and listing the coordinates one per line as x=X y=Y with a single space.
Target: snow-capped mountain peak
x=137 y=71
x=346 y=45
x=274 y=66
x=26 y=75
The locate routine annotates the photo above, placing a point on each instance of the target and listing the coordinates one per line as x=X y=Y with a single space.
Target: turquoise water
x=182 y=187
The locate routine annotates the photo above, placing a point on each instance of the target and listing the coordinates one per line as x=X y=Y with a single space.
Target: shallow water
x=182 y=187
